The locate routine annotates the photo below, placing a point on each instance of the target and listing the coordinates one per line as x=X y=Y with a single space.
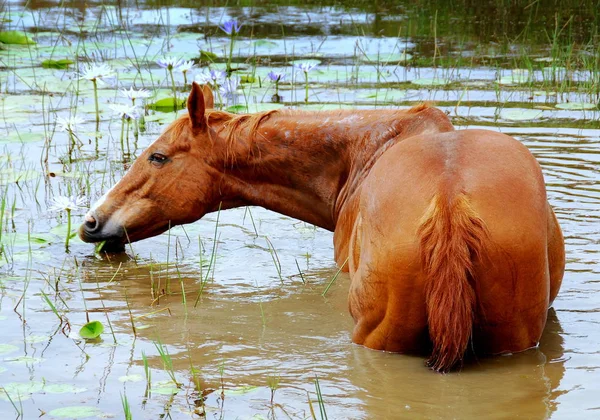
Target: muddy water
x=260 y=321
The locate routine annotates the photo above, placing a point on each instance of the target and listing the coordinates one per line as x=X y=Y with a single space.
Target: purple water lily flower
x=212 y=77
x=169 y=63
x=230 y=27
x=276 y=76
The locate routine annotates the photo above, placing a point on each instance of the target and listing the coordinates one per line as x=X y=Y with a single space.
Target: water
x=252 y=326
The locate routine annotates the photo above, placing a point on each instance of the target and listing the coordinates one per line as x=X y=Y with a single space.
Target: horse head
x=174 y=181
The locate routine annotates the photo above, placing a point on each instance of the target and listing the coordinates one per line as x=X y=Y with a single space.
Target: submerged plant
x=231 y=28
x=67 y=204
x=96 y=73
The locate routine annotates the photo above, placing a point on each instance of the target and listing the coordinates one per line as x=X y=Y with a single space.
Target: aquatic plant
x=134 y=94
x=184 y=68
x=96 y=73
x=305 y=67
x=276 y=77
x=67 y=204
x=70 y=125
x=228 y=89
x=231 y=28
x=170 y=64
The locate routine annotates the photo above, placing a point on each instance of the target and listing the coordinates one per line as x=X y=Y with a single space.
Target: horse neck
x=306 y=165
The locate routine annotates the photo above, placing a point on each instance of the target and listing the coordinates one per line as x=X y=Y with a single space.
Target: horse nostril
x=91 y=223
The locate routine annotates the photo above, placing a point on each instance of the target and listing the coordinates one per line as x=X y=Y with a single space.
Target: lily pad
x=20 y=390
x=517 y=76
x=386 y=58
x=7 y=348
x=63 y=389
x=10 y=175
x=311 y=61
x=76 y=412
x=57 y=64
x=430 y=81
x=385 y=95
x=251 y=108
x=576 y=105
x=91 y=330
x=25 y=359
x=15 y=37
x=131 y=378
x=242 y=390
x=168 y=105
x=520 y=114
x=33 y=338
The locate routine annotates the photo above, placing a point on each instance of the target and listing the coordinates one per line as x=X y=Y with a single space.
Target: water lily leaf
x=2 y=369
x=385 y=95
x=57 y=64
x=208 y=56
x=385 y=58
x=7 y=348
x=76 y=412
x=20 y=390
x=33 y=338
x=25 y=359
x=430 y=81
x=520 y=114
x=91 y=330
x=241 y=390
x=168 y=105
x=265 y=43
x=15 y=37
x=63 y=389
x=10 y=175
x=251 y=108
x=576 y=105
x=131 y=378
x=37 y=255
x=518 y=76
x=165 y=391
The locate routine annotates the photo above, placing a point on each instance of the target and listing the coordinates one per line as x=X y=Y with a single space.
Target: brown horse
x=448 y=236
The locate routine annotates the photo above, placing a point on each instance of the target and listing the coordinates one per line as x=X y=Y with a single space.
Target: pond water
x=237 y=306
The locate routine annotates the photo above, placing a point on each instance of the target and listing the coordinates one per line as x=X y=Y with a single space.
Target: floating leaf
x=63 y=389
x=168 y=105
x=386 y=58
x=57 y=64
x=76 y=412
x=576 y=105
x=7 y=348
x=265 y=43
x=131 y=378
x=251 y=108
x=15 y=37
x=520 y=114
x=25 y=359
x=91 y=330
x=430 y=81
x=385 y=95
x=36 y=339
x=207 y=56
x=242 y=390
x=20 y=390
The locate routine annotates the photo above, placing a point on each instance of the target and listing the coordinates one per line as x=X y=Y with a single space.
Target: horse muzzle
x=94 y=230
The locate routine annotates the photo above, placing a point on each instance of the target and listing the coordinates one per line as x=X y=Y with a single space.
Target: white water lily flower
x=96 y=72
x=305 y=66
x=69 y=124
x=186 y=66
x=169 y=63
x=211 y=77
x=135 y=94
x=63 y=203
x=127 y=111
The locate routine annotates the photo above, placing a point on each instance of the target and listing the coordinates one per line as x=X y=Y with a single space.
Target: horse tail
x=451 y=239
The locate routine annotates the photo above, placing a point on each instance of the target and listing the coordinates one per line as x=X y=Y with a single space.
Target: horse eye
x=157 y=158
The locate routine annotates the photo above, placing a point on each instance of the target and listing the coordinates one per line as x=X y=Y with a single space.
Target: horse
x=451 y=245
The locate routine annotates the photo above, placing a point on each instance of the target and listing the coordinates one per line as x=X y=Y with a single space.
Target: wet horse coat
x=448 y=235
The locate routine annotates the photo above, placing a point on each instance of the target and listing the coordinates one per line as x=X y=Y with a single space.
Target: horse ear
x=196 y=106
x=209 y=98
